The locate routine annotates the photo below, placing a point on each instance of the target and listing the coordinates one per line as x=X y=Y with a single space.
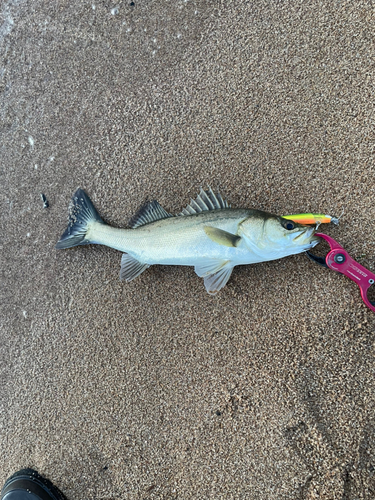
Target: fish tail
x=82 y=214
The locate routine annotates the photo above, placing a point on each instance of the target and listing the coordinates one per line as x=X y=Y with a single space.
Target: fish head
x=274 y=237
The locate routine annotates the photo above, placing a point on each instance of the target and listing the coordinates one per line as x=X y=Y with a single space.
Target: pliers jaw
x=339 y=260
x=319 y=260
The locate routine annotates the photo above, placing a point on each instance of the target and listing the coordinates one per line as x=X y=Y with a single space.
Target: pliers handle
x=339 y=260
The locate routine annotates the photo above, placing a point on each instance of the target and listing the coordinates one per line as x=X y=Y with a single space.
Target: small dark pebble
x=132 y=4
x=218 y=413
x=105 y=467
x=44 y=200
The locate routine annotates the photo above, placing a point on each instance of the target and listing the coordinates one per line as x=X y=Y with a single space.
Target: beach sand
x=153 y=389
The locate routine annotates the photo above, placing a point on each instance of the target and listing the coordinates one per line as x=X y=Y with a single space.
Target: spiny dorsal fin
x=150 y=212
x=206 y=200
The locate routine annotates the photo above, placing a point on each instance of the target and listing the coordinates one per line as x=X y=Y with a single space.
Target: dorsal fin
x=150 y=212
x=206 y=200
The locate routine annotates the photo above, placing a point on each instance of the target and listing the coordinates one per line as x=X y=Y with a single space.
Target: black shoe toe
x=27 y=484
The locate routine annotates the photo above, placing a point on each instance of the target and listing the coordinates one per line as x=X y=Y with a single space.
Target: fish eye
x=289 y=225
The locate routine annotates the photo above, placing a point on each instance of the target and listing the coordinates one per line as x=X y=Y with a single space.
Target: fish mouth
x=304 y=234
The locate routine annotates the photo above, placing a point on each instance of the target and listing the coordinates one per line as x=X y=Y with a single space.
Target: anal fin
x=131 y=267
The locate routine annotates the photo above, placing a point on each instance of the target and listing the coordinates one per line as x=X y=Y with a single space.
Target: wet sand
x=154 y=389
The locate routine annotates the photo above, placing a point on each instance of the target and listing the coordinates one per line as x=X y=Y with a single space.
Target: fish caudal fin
x=81 y=214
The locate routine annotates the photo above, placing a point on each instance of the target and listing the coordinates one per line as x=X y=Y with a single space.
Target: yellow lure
x=312 y=218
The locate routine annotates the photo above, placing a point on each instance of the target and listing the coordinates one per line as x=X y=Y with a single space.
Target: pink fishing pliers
x=339 y=260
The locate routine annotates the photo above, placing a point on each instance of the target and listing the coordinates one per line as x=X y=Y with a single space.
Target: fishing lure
x=312 y=218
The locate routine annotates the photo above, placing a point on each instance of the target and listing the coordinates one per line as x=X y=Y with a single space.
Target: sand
x=154 y=389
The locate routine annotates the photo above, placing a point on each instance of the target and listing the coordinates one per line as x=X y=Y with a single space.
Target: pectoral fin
x=222 y=237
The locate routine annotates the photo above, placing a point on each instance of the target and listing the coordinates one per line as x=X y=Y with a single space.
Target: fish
x=208 y=234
